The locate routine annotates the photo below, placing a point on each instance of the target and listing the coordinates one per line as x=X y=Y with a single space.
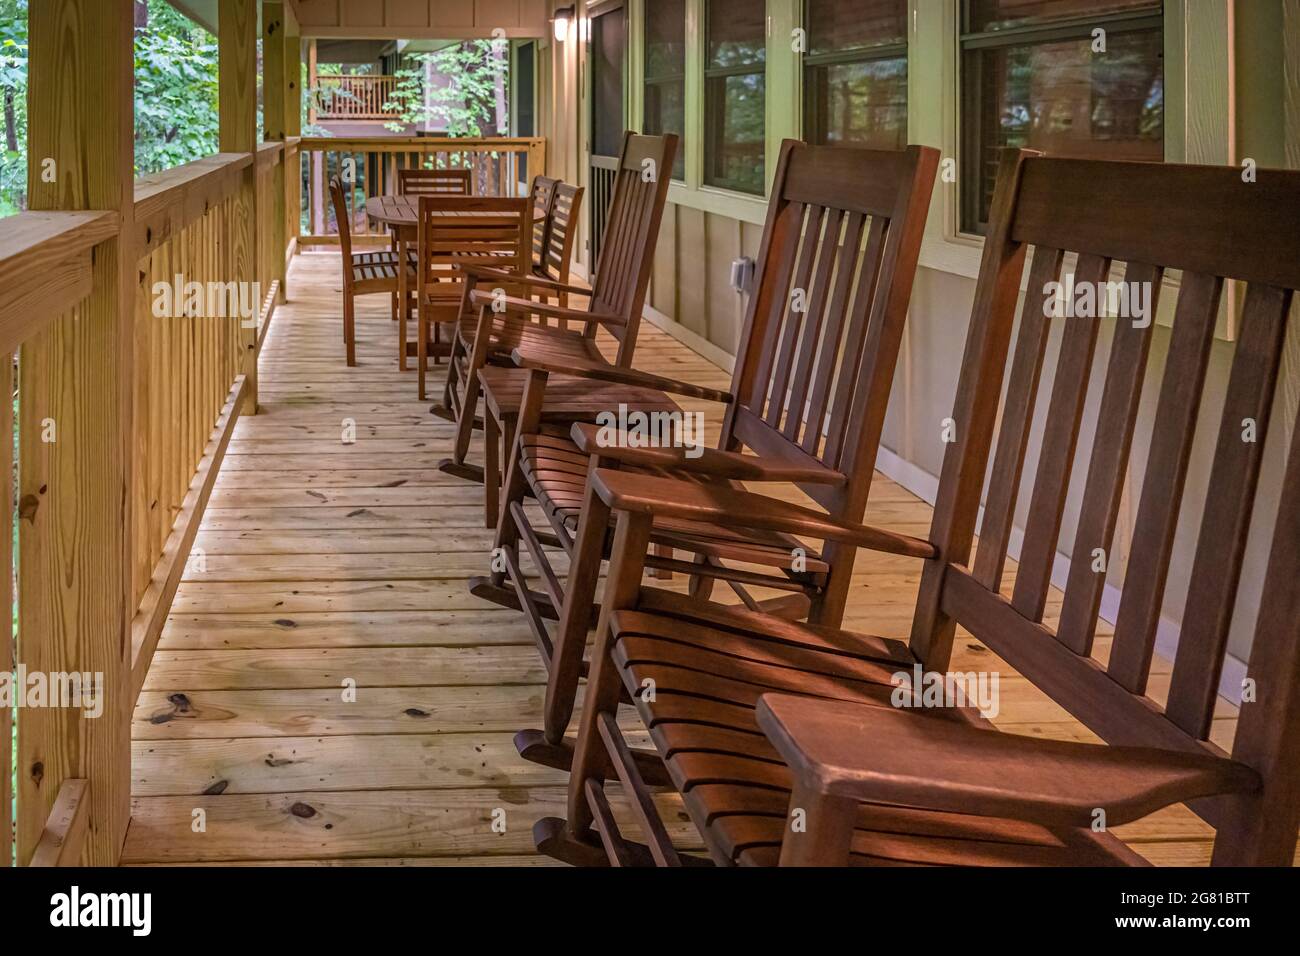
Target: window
x=855 y=73
x=1078 y=78
x=665 y=73
x=735 y=95
x=608 y=36
x=525 y=92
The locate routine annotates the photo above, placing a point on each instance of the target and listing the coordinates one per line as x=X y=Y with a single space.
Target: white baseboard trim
x=926 y=487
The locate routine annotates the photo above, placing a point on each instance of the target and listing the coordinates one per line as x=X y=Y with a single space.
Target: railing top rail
x=37 y=240
x=269 y=153
x=353 y=77
x=45 y=267
x=152 y=187
x=166 y=202
x=409 y=143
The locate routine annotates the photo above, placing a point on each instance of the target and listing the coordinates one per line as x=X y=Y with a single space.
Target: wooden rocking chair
x=808 y=397
x=615 y=300
x=782 y=738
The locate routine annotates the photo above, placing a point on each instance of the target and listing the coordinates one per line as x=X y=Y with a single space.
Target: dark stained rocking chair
x=615 y=300
x=808 y=397
x=762 y=722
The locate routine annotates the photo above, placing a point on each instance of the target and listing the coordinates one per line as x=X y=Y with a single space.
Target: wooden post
x=75 y=430
x=237 y=94
x=275 y=113
x=311 y=79
x=6 y=605
x=293 y=123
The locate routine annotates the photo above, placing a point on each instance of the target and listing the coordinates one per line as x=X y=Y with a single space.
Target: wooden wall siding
x=692 y=271
x=414 y=19
x=187 y=364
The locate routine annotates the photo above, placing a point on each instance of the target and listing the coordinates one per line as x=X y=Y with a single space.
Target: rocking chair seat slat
x=735 y=786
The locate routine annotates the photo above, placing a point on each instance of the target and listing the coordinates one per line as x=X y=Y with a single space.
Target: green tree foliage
x=13 y=90
x=175 y=91
x=175 y=95
x=466 y=96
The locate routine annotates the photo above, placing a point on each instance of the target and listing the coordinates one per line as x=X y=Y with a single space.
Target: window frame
x=968 y=105
x=647 y=80
x=712 y=132
x=867 y=54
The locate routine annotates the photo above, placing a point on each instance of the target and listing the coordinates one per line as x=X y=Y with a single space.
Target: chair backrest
x=1212 y=226
x=631 y=234
x=433 y=182
x=543 y=195
x=561 y=230
x=469 y=231
x=343 y=218
x=825 y=320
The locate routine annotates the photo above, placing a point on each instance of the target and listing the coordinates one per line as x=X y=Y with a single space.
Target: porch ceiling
x=422 y=19
x=400 y=19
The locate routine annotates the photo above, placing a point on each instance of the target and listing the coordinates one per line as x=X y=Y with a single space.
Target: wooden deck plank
x=359 y=823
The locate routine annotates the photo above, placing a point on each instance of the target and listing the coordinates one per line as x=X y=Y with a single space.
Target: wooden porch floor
x=321 y=563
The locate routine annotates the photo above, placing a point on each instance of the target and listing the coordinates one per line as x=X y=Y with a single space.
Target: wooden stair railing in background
x=499 y=167
x=353 y=97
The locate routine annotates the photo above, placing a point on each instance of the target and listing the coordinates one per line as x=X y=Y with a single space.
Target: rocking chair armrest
x=726 y=504
x=527 y=358
x=918 y=759
x=516 y=306
x=699 y=460
x=477 y=274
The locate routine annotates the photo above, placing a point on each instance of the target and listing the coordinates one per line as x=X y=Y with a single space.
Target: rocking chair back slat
x=1056 y=454
x=1166 y=473
x=543 y=195
x=1222 y=543
x=561 y=231
x=1013 y=439
x=826 y=289
x=1107 y=469
x=1215 y=228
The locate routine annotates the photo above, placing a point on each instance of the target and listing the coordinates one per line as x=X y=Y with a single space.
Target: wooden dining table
x=401 y=214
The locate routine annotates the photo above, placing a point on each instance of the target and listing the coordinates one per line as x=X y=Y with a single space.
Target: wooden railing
x=360 y=97
x=604 y=173
x=198 y=323
x=501 y=167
